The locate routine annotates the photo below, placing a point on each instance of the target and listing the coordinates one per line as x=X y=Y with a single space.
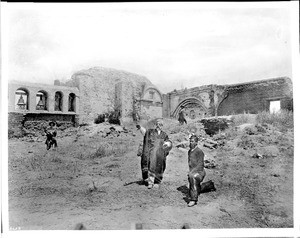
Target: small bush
x=99 y=119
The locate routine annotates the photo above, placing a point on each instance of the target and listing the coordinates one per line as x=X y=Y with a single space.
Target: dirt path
x=54 y=189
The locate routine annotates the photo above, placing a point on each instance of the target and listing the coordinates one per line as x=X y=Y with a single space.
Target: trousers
x=195 y=180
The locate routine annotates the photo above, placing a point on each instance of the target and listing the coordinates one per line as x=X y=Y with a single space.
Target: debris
x=258 y=156
x=209 y=164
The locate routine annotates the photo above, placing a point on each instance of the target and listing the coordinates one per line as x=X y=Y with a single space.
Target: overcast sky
x=173 y=45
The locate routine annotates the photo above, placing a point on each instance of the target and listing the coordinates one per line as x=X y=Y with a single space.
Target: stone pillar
x=32 y=100
x=51 y=101
x=65 y=102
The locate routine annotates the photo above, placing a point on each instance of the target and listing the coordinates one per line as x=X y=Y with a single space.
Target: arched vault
x=188 y=102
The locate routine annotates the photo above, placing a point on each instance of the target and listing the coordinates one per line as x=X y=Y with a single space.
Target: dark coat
x=154 y=156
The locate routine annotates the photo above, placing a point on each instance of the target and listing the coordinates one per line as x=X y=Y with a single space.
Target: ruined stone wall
x=202 y=101
x=103 y=90
x=15 y=124
x=212 y=100
x=151 y=103
x=256 y=96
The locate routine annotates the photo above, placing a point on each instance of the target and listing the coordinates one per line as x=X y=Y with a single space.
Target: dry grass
x=242 y=119
x=105 y=150
x=283 y=120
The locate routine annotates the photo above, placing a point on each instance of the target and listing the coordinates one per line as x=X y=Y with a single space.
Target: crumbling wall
x=20 y=124
x=253 y=97
x=15 y=124
x=103 y=90
x=151 y=103
x=249 y=97
x=207 y=97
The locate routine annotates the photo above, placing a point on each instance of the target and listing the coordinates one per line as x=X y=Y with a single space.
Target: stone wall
x=151 y=104
x=213 y=100
x=20 y=124
x=50 y=90
x=256 y=96
x=104 y=90
x=203 y=101
x=15 y=124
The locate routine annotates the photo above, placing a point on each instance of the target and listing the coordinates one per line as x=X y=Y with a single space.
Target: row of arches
x=22 y=100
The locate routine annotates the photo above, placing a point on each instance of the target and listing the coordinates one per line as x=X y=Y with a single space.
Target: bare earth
x=59 y=188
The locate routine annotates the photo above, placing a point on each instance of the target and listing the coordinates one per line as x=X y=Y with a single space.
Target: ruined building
x=81 y=99
x=102 y=90
x=219 y=100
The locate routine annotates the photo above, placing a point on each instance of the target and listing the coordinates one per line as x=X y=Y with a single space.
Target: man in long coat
x=156 y=148
x=196 y=170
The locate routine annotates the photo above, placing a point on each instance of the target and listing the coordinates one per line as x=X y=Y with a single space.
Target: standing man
x=196 y=170
x=181 y=118
x=156 y=147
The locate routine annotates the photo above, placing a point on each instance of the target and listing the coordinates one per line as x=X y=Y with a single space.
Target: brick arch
x=186 y=102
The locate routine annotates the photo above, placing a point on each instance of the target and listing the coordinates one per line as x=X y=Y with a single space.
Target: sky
x=174 y=45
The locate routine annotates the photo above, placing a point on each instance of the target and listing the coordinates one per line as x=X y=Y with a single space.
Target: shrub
x=99 y=119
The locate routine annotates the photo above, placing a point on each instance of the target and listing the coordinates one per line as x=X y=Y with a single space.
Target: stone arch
x=190 y=102
x=153 y=89
x=22 y=99
x=58 y=101
x=42 y=100
x=72 y=102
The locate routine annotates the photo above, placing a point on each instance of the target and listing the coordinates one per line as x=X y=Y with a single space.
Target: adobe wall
x=151 y=103
x=201 y=101
x=33 y=89
x=19 y=119
x=255 y=96
x=213 y=100
x=103 y=90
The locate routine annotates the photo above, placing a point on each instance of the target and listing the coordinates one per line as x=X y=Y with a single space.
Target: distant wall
x=256 y=96
x=198 y=102
x=50 y=90
x=213 y=100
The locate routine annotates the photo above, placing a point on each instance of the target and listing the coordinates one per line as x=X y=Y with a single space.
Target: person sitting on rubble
x=50 y=134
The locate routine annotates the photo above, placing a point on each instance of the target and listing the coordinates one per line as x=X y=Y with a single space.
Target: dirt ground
x=82 y=181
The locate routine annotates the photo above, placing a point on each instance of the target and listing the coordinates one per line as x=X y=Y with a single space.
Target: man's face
x=193 y=143
x=159 y=125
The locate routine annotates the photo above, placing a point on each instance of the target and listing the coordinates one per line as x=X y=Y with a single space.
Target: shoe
x=191 y=203
x=156 y=185
x=150 y=185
